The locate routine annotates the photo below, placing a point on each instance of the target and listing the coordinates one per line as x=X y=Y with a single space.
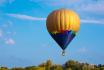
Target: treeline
x=69 y=65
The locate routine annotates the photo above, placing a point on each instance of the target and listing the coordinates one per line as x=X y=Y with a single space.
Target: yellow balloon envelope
x=63 y=19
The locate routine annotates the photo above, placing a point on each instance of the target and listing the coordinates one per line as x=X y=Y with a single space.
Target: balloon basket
x=63 y=53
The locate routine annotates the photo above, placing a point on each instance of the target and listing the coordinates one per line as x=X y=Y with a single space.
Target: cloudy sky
x=24 y=40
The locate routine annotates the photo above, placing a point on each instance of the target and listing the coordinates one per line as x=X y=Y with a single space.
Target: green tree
x=72 y=64
x=48 y=64
x=34 y=68
x=97 y=68
x=42 y=65
x=84 y=67
x=56 y=67
x=31 y=68
x=68 y=69
x=3 y=68
x=17 y=69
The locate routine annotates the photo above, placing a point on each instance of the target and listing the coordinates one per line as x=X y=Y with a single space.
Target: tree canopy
x=69 y=65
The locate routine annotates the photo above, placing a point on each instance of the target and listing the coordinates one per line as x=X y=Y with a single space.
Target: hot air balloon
x=62 y=25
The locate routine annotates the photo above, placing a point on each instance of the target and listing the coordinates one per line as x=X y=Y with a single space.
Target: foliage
x=3 y=68
x=69 y=65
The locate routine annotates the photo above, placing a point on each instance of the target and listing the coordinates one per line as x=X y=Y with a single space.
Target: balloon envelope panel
x=63 y=39
x=62 y=20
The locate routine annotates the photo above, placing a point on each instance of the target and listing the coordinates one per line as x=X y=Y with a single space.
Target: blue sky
x=24 y=40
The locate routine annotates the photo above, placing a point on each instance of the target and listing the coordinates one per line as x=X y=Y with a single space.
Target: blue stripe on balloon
x=63 y=39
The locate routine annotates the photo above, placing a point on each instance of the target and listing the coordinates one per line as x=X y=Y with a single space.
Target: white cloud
x=1 y=33
x=25 y=17
x=55 y=2
x=92 y=21
x=2 y=2
x=9 y=41
x=6 y=34
x=93 y=7
x=81 y=5
x=11 y=33
x=82 y=50
x=7 y=24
